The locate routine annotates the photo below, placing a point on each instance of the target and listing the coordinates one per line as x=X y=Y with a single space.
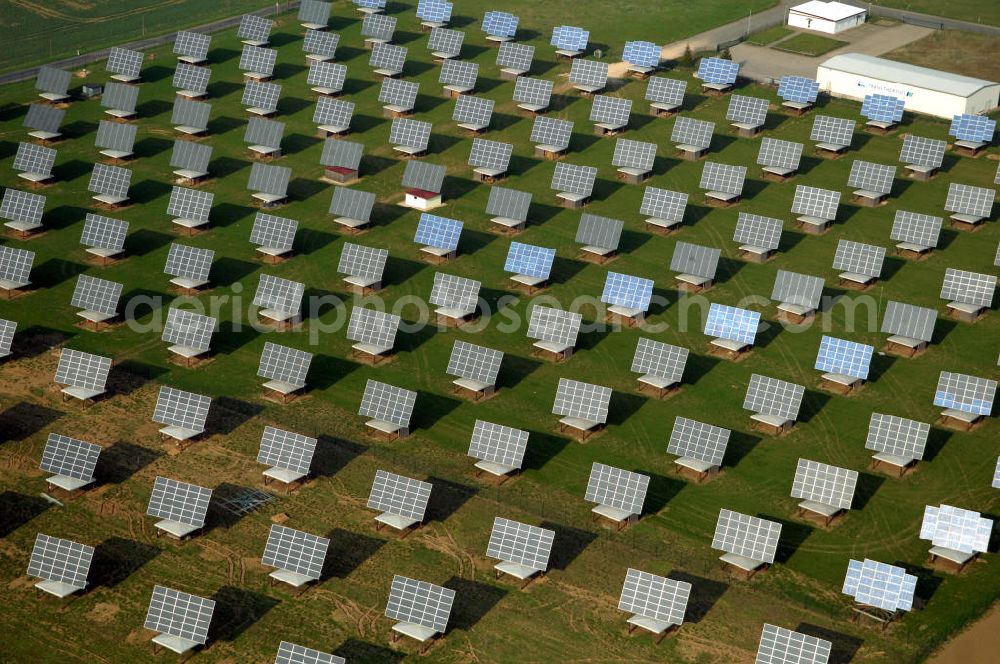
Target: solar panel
x=295 y=551
x=423 y=176
x=473 y=110
x=956 y=529
x=31 y=158
x=758 y=231
x=897 y=436
x=115 y=136
x=610 y=110
x=327 y=75
x=815 y=202
x=124 y=62
x=420 y=603
x=669 y=91
x=280 y=294
x=179 y=614
x=267 y=133
x=188 y=262
x=490 y=154
x=498 y=444
x=190 y=203
x=747 y=110
x=437 y=11
x=53 y=80
x=7 y=329
x=388 y=57
x=599 y=231
x=499 y=24
x=400 y=495
x=292 y=653
x=538 y=92
x=551 y=131
x=15 y=264
x=697 y=440
x=414 y=134
x=388 y=403
x=95 y=294
x=256 y=28
x=770 y=396
x=474 y=362
x=443 y=40
x=515 y=542
x=969 y=394
x=569 y=38
x=783 y=646
x=352 y=203
x=508 y=203
x=187 y=328
x=22 y=206
x=335 y=112
x=968 y=127
x=121 y=97
x=725 y=322
x=257 y=94
x=921 y=151
x=574 y=179
x=880 y=585
x=798 y=89
x=836 y=131
x=55 y=559
x=624 y=290
x=369 y=326
x=269 y=179
x=70 y=457
x=968 y=287
x=882 y=108
x=909 y=321
x=285 y=449
x=718 y=71
x=439 y=232
x=179 y=501
x=694 y=259
x=916 y=228
x=378 y=26
x=659 y=359
x=515 y=56
x=872 y=177
x=84 y=370
x=288 y=365
x=275 y=232
x=187 y=113
x=44 y=118
x=459 y=74
x=822 y=483
x=779 y=154
x=612 y=486
x=859 y=258
x=589 y=73
x=964 y=199
x=192 y=44
x=641 y=54
x=190 y=77
x=746 y=536
x=723 y=177
x=342 y=154
x=258 y=60
x=109 y=180
x=996 y=476
x=583 y=400
x=371 y=4
x=663 y=204
x=398 y=93
x=529 y=260
x=554 y=325
x=454 y=292
x=314 y=11
x=654 y=597
x=844 y=357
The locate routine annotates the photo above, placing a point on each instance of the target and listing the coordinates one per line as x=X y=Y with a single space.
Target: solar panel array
x=823 y=483
x=697 y=440
x=314 y=11
x=324 y=44
x=258 y=60
x=641 y=54
x=188 y=262
x=746 y=536
x=192 y=44
x=460 y=74
x=398 y=93
x=387 y=403
x=55 y=559
x=15 y=264
x=179 y=501
x=269 y=179
x=922 y=151
x=783 y=646
x=335 y=112
x=859 y=258
x=968 y=287
x=836 y=131
x=7 y=329
x=909 y=321
x=473 y=110
x=718 y=71
x=610 y=110
x=44 y=118
x=474 y=362
x=747 y=110
x=872 y=177
x=551 y=131
x=499 y=24
x=378 y=26
x=880 y=585
x=515 y=542
x=292 y=653
x=256 y=28
x=295 y=551
x=625 y=290
x=897 y=435
x=287 y=450
x=120 y=97
x=70 y=457
x=956 y=529
x=529 y=260
x=95 y=294
x=190 y=77
x=179 y=614
x=498 y=444
x=360 y=261
x=261 y=131
x=438 y=11
x=274 y=232
x=662 y=90
x=508 y=203
x=583 y=400
x=515 y=56
x=569 y=38
x=124 y=62
x=490 y=154
x=659 y=359
x=289 y=365
x=51 y=79
x=798 y=89
x=454 y=292
x=554 y=325
x=410 y=133
x=779 y=154
x=733 y=323
x=695 y=259
x=689 y=131
x=22 y=206
x=882 y=108
x=589 y=72
x=327 y=75
x=420 y=602
x=423 y=176
x=969 y=394
x=195 y=114
x=758 y=231
x=84 y=370
x=110 y=180
x=438 y=232
x=181 y=409
x=31 y=158
x=190 y=203
x=964 y=199
x=280 y=294
x=816 y=202
x=844 y=357
x=599 y=231
x=574 y=179
x=663 y=204
x=399 y=495
x=723 y=177
x=970 y=127
x=655 y=597
x=257 y=94
x=770 y=396
x=388 y=57
x=619 y=488
x=916 y=228
x=370 y=326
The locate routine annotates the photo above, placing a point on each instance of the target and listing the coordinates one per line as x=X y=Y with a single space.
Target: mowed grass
x=976 y=11
x=769 y=35
x=965 y=52
x=571 y=615
x=808 y=44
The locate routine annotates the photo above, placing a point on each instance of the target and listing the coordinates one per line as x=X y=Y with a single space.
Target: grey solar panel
x=908 y=320
x=120 y=97
x=179 y=614
x=187 y=113
x=279 y=294
x=583 y=400
x=669 y=91
x=399 y=495
x=188 y=262
x=187 y=328
x=589 y=73
x=968 y=287
x=922 y=151
x=420 y=602
x=758 y=231
x=783 y=646
x=634 y=154
x=179 y=501
x=116 y=136
x=378 y=26
x=388 y=57
x=103 y=232
x=599 y=231
x=190 y=77
x=261 y=131
x=253 y=27
x=70 y=457
x=473 y=110
x=517 y=57
x=352 y=203
x=445 y=41
x=15 y=264
x=187 y=203
x=286 y=450
x=751 y=111
x=44 y=118
x=83 y=370
x=261 y=95
x=876 y=178
x=398 y=93
x=619 y=488
x=508 y=203
x=859 y=258
x=552 y=132
x=387 y=403
x=779 y=154
x=490 y=154
x=7 y=329
x=258 y=60
x=574 y=179
x=823 y=483
x=663 y=204
x=369 y=326
x=334 y=112
x=328 y=75
x=533 y=91
x=273 y=232
x=746 y=536
x=423 y=176
x=22 y=206
x=968 y=394
x=835 y=131
x=770 y=396
x=474 y=362
x=654 y=597
x=815 y=202
x=56 y=559
x=53 y=80
x=515 y=542
x=289 y=365
x=109 y=180
x=610 y=110
x=314 y=11
x=459 y=74
x=697 y=440
x=31 y=158
x=295 y=551
x=269 y=179
x=897 y=436
x=965 y=199
x=916 y=228
x=689 y=131
x=659 y=359
x=694 y=259
x=95 y=294
x=414 y=134
x=292 y=653
x=554 y=325
x=453 y=292
x=723 y=177
x=192 y=44
x=498 y=444
x=124 y=62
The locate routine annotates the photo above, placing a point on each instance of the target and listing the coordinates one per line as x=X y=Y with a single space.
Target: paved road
x=936 y=22
x=709 y=39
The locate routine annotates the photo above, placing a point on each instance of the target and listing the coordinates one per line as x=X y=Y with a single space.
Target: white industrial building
x=938 y=93
x=828 y=17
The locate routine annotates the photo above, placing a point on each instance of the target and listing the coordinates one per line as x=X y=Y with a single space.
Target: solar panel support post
x=578 y=429
x=795 y=108
x=920 y=173
x=881 y=128
x=691 y=152
x=964 y=313
x=756 y=254
x=632 y=175
x=957 y=420
x=572 y=201
x=771 y=426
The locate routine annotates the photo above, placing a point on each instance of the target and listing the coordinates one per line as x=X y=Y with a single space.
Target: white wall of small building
x=918 y=100
x=815 y=24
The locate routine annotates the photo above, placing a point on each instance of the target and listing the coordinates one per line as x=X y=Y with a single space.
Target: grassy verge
x=811 y=45
x=974 y=11
x=959 y=52
x=769 y=36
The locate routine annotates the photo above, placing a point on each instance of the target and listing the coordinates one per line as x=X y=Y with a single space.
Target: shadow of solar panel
x=187 y=113
x=84 y=370
x=109 y=180
x=694 y=259
x=747 y=110
x=717 y=70
x=783 y=646
x=798 y=89
x=279 y=294
x=423 y=176
x=327 y=75
x=56 y=559
x=815 y=202
x=723 y=177
x=499 y=24
x=746 y=536
x=551 y=131
x=515 y=542
x=589 y=73
x=295 y=551
x=725 y=322
x=968 y=287
x=697 y=440
x=334 y=112
x=619 y=488
x=823 y=483
x=770 y=396
x=370 y=326
x=70 y=457
x=254 y=27
x=599 y=231
x=399 y=495
x=269 y=179
x=490 y=154
x=844 y=357
x=439 y=232
x=666 y=90
x=882 y=108
x=624 y=290
x=474 y=362
x=286 y=450
x=360 y=261
x=654 y=597
x=779 y=154
x=95 y=294
x=969 y=394
x=554 y=325
x=453 y=292
x=921 y=151
x=859 y=258
x=192 y=44
x=574 y=179
x=188 y=262
x=257 y=94
x=388 y=403
x=530 y=260
x=261 y=131
x=258 y=60
x=410 y=133
x=880 y=585
x=179 y=501
x=179 y=614
x=583 y=400
x=22 y=206
x=641 y=54
x=187 y=203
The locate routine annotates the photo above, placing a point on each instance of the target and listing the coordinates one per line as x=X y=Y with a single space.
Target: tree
x=687 y=58
x=725 y=54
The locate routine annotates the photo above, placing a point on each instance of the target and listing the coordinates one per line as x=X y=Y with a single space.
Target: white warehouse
x=938 y=93
x=828 y=17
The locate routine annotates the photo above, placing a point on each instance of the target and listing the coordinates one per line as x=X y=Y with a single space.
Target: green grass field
x=811 y=45
x=976 y=11
x=571 y=614
x=769 y=35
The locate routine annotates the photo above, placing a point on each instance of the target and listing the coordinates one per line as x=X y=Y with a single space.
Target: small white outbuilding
x=828 y=17
x=938 y=93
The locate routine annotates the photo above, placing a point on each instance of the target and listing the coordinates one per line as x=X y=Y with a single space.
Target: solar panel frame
x=273 y=231
x=659 y=359
x=697 y=440
x=916 y=228
x=188 y=203
x=458 y=73
x=188 y=113
x=125 y=62
x=639 y=155
x=286 y=450
x=956 y=529
x=779 y=154
x=179 y=501
x=872 y=177
x=823 y=483
x=641 y=54
x=574 y=179
x=190 y=77
x=770 y=396
x=590 y=73
x=32 y=158
x=330 y=75
x=598 y=231
x=253 y=27
x=378 y=26
x=624 y=290
x=63 y=560
x=859 y=258
x=515 y=56
x=70 y=457
x=420 y=602
x=965 y=199
x=520 y=543
x=882 y=108
x=7 y=329
x=747 y=536
x=726 y=178
x=116 y=136
x=498 y=444
x=662 y=90
x=537 y=92
x=335 y=112
x=314 y=11
x=474 y=362
x=295 y=551
x=179 y=614
x=551 y=131
x=95 y=294
x=586 y=401
x=717 y=71
x=970 y=127
x=257 y=60
x=499 y=24
x=909 y=321
x=663 y=204
x=616 y=487
x=52 y=79
x=529 y=260
x=840 y=356
x=109 y=180
x=654 y=597
x=387 y=403
x=490 y=154
x=260 y=94
x=816 y=202
x=444 y=40
x=747 y=110
x=922 y=151
x=758 y=231
x=423 y=176
x=388 y=57
x=293 y=653
x=610 y=110
x=407 y=132
x=188 y=328
x=370 y=326
x=569 y=38
x=187 y=262
x=22 y=206
x=962 y=392
x=554 y=325
x=84 y=370
x=261 y=131
x=783 y=646
x=837 y=131
x=798 y=89
x=279 y=294
x=880 y=585
x=473 y=110
x=400 y=495
x=42 y=117
x=508 y=203
x=897 y=436
x=15 y=264
x=454 y=292
x=192 y=44
x=269 y=179
x=437 y=11
x=733 y=323
x=968 y=287
x=438 y=232
x=352 y=203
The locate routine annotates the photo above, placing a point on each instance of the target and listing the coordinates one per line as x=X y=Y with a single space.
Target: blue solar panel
x=370 y=4
x=725 y=322
x=641 y=53
x=439 y=232
x=880 y=585
x=882 y=108
x=798 y=88
x=970 y=127
x=438 y=11
x=499 y=24
x=968 y=394
x=529 y=260
x=627 y=291
x=570 y=38
x=844 y=357
x=717 y=70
